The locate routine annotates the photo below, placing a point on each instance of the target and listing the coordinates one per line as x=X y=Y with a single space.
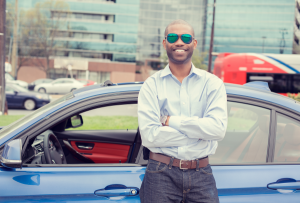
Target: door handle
x=285 y=184
x=117 y=190
x=85 y=147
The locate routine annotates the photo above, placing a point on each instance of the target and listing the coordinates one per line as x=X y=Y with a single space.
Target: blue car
x=19 y=97
x=86 y=147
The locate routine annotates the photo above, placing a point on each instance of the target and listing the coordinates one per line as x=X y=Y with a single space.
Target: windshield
x=19 y=88
x=15 y=125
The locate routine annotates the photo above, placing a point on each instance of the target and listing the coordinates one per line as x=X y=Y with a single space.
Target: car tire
x=29 y=104
x=42 y=90
x=73 y=89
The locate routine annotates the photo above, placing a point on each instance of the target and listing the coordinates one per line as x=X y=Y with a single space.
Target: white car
x=10 y=79
x=59 y=86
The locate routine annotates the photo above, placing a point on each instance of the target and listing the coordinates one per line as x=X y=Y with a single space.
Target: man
x=182 y=113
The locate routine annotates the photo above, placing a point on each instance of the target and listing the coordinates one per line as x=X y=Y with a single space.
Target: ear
x=195 y=43
x=164 y=44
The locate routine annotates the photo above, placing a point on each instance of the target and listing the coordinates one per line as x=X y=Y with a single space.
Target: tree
x=10 y=18
x=41 y=28
x=197 y=59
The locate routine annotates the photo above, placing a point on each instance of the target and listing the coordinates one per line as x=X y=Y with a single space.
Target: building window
x=83 y=35
x=99 y=77
x=93 y=55
x=83 y=16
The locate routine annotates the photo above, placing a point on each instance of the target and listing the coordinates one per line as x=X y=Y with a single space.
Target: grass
x=91 y=122
x=108 y=123
x=6 y=120
x=238 y=124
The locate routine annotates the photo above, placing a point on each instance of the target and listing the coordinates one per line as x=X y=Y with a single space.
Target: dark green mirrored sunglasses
x=186 y=38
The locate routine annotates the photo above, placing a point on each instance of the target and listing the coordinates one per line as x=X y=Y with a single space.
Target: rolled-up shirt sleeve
x=214 y=122
x=153 y=133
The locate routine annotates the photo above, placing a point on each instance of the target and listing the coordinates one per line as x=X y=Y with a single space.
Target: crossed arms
x=181 y=131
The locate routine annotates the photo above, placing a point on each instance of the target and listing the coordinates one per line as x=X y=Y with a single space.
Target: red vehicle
x=87 y=82
x=281 y=71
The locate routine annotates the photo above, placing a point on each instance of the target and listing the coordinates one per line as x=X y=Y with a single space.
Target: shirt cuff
x=174 y=122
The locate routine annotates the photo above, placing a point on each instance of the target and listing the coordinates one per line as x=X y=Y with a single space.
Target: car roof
x=254 y=91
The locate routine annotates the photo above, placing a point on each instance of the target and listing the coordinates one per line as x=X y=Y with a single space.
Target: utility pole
x=14 y=58
x=2 y=55
x=211 y=39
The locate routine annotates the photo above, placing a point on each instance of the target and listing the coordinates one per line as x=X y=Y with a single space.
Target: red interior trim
x=104 y=152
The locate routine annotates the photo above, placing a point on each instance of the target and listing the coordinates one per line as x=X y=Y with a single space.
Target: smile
x=179 y=50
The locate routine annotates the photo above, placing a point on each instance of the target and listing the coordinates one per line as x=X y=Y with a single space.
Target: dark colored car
x=19 y=97
x=37 y=82
x=86 y=147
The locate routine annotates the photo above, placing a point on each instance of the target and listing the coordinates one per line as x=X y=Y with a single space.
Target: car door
x=83 y=182
x=107 y=135
x=243 y=165
x=66 y=86
x=55 y=87
x=9 y=92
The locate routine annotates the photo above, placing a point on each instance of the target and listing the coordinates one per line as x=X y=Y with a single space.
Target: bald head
x=179 y=22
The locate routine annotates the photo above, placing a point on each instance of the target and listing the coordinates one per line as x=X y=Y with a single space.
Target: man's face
x=179 y=52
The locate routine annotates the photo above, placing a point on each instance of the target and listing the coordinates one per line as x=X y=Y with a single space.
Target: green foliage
x=108 y=123
x=197 y=59
x=6 y=120
x=294 y=96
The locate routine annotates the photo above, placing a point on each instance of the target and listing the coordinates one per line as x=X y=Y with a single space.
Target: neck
x=180 y=71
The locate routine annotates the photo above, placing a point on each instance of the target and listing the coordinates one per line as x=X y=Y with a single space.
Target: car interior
x=64 y=144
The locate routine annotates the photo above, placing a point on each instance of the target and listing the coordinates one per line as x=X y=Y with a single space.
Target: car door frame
x=79 y=106
x=274 y=108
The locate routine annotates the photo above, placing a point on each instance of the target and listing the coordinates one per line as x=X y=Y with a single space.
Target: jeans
x=167 y=183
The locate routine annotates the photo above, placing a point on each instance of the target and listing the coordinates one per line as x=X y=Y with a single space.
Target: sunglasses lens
x=187 y=38
x=172 y=37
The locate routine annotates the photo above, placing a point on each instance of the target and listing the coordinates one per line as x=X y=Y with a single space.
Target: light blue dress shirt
x=197 y=108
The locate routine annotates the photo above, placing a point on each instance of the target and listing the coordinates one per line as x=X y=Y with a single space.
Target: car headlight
x=39 y=96
x=42 y=96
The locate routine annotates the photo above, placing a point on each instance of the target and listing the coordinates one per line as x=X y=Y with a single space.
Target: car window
x=118 y=117
x=68 y=81
x=58 y=82
x=37 y=82
x=246 y=138
x=287 y=147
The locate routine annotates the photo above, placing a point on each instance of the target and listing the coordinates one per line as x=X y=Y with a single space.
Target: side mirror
x=16 y=92
x=11 y=156
x=74 y=121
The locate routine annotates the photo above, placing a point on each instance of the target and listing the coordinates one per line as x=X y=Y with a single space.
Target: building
x=155 y=15
x=97 y=40
x=254 y=26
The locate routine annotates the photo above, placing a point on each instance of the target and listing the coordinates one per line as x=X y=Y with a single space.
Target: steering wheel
x=52 y=149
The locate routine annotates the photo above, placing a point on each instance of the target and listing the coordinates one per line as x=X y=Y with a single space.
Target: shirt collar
x=166 y=71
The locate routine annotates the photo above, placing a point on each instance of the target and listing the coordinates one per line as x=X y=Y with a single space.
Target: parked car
x=19 y=97
x=59 y=86
x=38 y=81
x=87 y=82
x=11 y=79
x=51 y=154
